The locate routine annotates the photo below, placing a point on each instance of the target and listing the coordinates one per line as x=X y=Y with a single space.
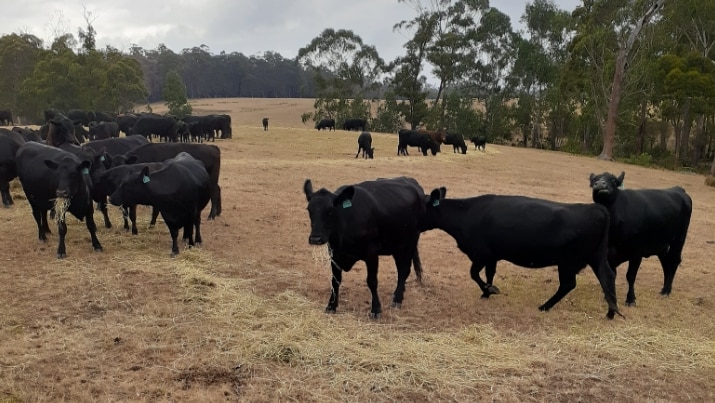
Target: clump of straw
x=61 y=206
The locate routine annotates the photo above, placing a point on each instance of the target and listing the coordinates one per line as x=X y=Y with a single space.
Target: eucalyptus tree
x=18 y=55
x=344 y=69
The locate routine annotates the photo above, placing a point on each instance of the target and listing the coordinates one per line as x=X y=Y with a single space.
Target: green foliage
x=387 y=118
x=174 y=94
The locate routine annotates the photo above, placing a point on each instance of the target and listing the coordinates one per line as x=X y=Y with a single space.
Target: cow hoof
x=630 y=303
x=665 y=293
x=492 y=289
x=543 y=308
x=485 y=295
x=61 y=255
x=107 y=225
x=329 y=310
x=375 y=316
x=135 y=232
x=397 y=304
x=99 y=249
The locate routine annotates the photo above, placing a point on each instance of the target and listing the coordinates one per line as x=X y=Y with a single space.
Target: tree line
x=630 y=80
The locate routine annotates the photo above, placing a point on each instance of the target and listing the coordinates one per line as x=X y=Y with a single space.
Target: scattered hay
x=710 y=180
x=61 y=206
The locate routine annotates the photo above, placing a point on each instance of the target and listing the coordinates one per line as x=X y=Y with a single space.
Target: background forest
x=632 y=80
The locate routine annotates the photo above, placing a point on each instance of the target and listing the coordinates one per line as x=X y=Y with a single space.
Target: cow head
x=323 y=208
x=605 y=187
x=370 y=152
x=131 y=186
x=61 y=130
x=72 y=175
x=433 y=200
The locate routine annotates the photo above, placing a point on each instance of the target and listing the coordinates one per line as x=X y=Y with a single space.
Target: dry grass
x=241 y=318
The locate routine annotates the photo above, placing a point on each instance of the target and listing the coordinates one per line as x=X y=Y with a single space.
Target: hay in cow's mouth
x=322 y=253
x=61 y=206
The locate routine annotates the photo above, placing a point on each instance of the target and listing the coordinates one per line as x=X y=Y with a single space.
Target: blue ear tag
x=435 y=203
x=145 y=179
x=621 y=187
x=85 y=171
x=347 y=203
x=101 y=158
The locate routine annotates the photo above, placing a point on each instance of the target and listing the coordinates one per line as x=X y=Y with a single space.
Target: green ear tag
x=85 y=171
x=435 y=203
x=101 y=158
x=145 y=179
x=347 y=203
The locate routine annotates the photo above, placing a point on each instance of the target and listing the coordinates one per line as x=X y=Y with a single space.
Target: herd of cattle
x=362 y=221
x=60 y=174
x=386 y=217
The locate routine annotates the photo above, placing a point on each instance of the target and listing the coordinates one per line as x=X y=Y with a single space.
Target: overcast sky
x=247 y=26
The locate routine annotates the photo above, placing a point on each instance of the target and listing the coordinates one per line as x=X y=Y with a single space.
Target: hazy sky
x=247 y=26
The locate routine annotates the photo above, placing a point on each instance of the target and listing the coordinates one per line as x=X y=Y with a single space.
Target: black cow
x=61 y=130
x=265 y=124
x=106 y=149
x=6 y=118
x=355 y=124
x=179 y=190
x=218 y=125
x=415 y=138
x=644 y=222
x=50 y=113
x=326 y=124
x=365 y=221
x=126 y=121
x=27 y=134
x=110 y=180
x=480 y=142
x=81 y=116
x=103 y=130
x=527 y=232
x=365 y=144
x=10 y=142
x=48 y=173
x=105 y=116
x=456 y=140
x=210 y=155
x=151 y=123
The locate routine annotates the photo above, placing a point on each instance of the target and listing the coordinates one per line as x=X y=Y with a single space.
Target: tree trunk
x=640 y=146
x=624 y=51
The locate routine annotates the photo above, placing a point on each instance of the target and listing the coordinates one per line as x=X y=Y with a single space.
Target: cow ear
x=434 y=197
x=51 y=164
x=84 y=166
x=308 y=189
x=442 y=192
x=590 y=178
x=345 y=197
x=620 y=178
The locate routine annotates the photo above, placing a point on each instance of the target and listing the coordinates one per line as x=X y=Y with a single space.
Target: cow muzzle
x=64 y=194
x=316 y=240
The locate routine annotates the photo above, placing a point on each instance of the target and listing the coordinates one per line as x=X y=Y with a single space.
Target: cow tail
x=606 y=274
x=418 y=265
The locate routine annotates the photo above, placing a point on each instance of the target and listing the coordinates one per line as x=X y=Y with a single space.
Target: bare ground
x=241 y=317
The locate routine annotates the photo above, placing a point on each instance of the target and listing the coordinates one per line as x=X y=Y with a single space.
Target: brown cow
x=438 y=136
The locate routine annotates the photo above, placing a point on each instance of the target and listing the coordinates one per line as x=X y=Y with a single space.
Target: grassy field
x=241 y=318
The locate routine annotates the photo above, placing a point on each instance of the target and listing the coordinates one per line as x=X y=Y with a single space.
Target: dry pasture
x=241 y=318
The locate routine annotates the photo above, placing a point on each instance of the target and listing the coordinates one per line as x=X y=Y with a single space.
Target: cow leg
x=358 y=153
x=44 y=223
x=607 y=278
x=567 y=282
x=372 y=264
x=670 y=262
x=103 y=208
x=61 y=231
x=197 y=224
x=5 y=191
x=125 y=217
x=402 y=262
x=37 y=214
x=334 y=287
x=92 y=227
x=633 y=265
x=154 y=216
x=174 y=232
x=474 y=272
x=491 y=270
x=417 y=264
